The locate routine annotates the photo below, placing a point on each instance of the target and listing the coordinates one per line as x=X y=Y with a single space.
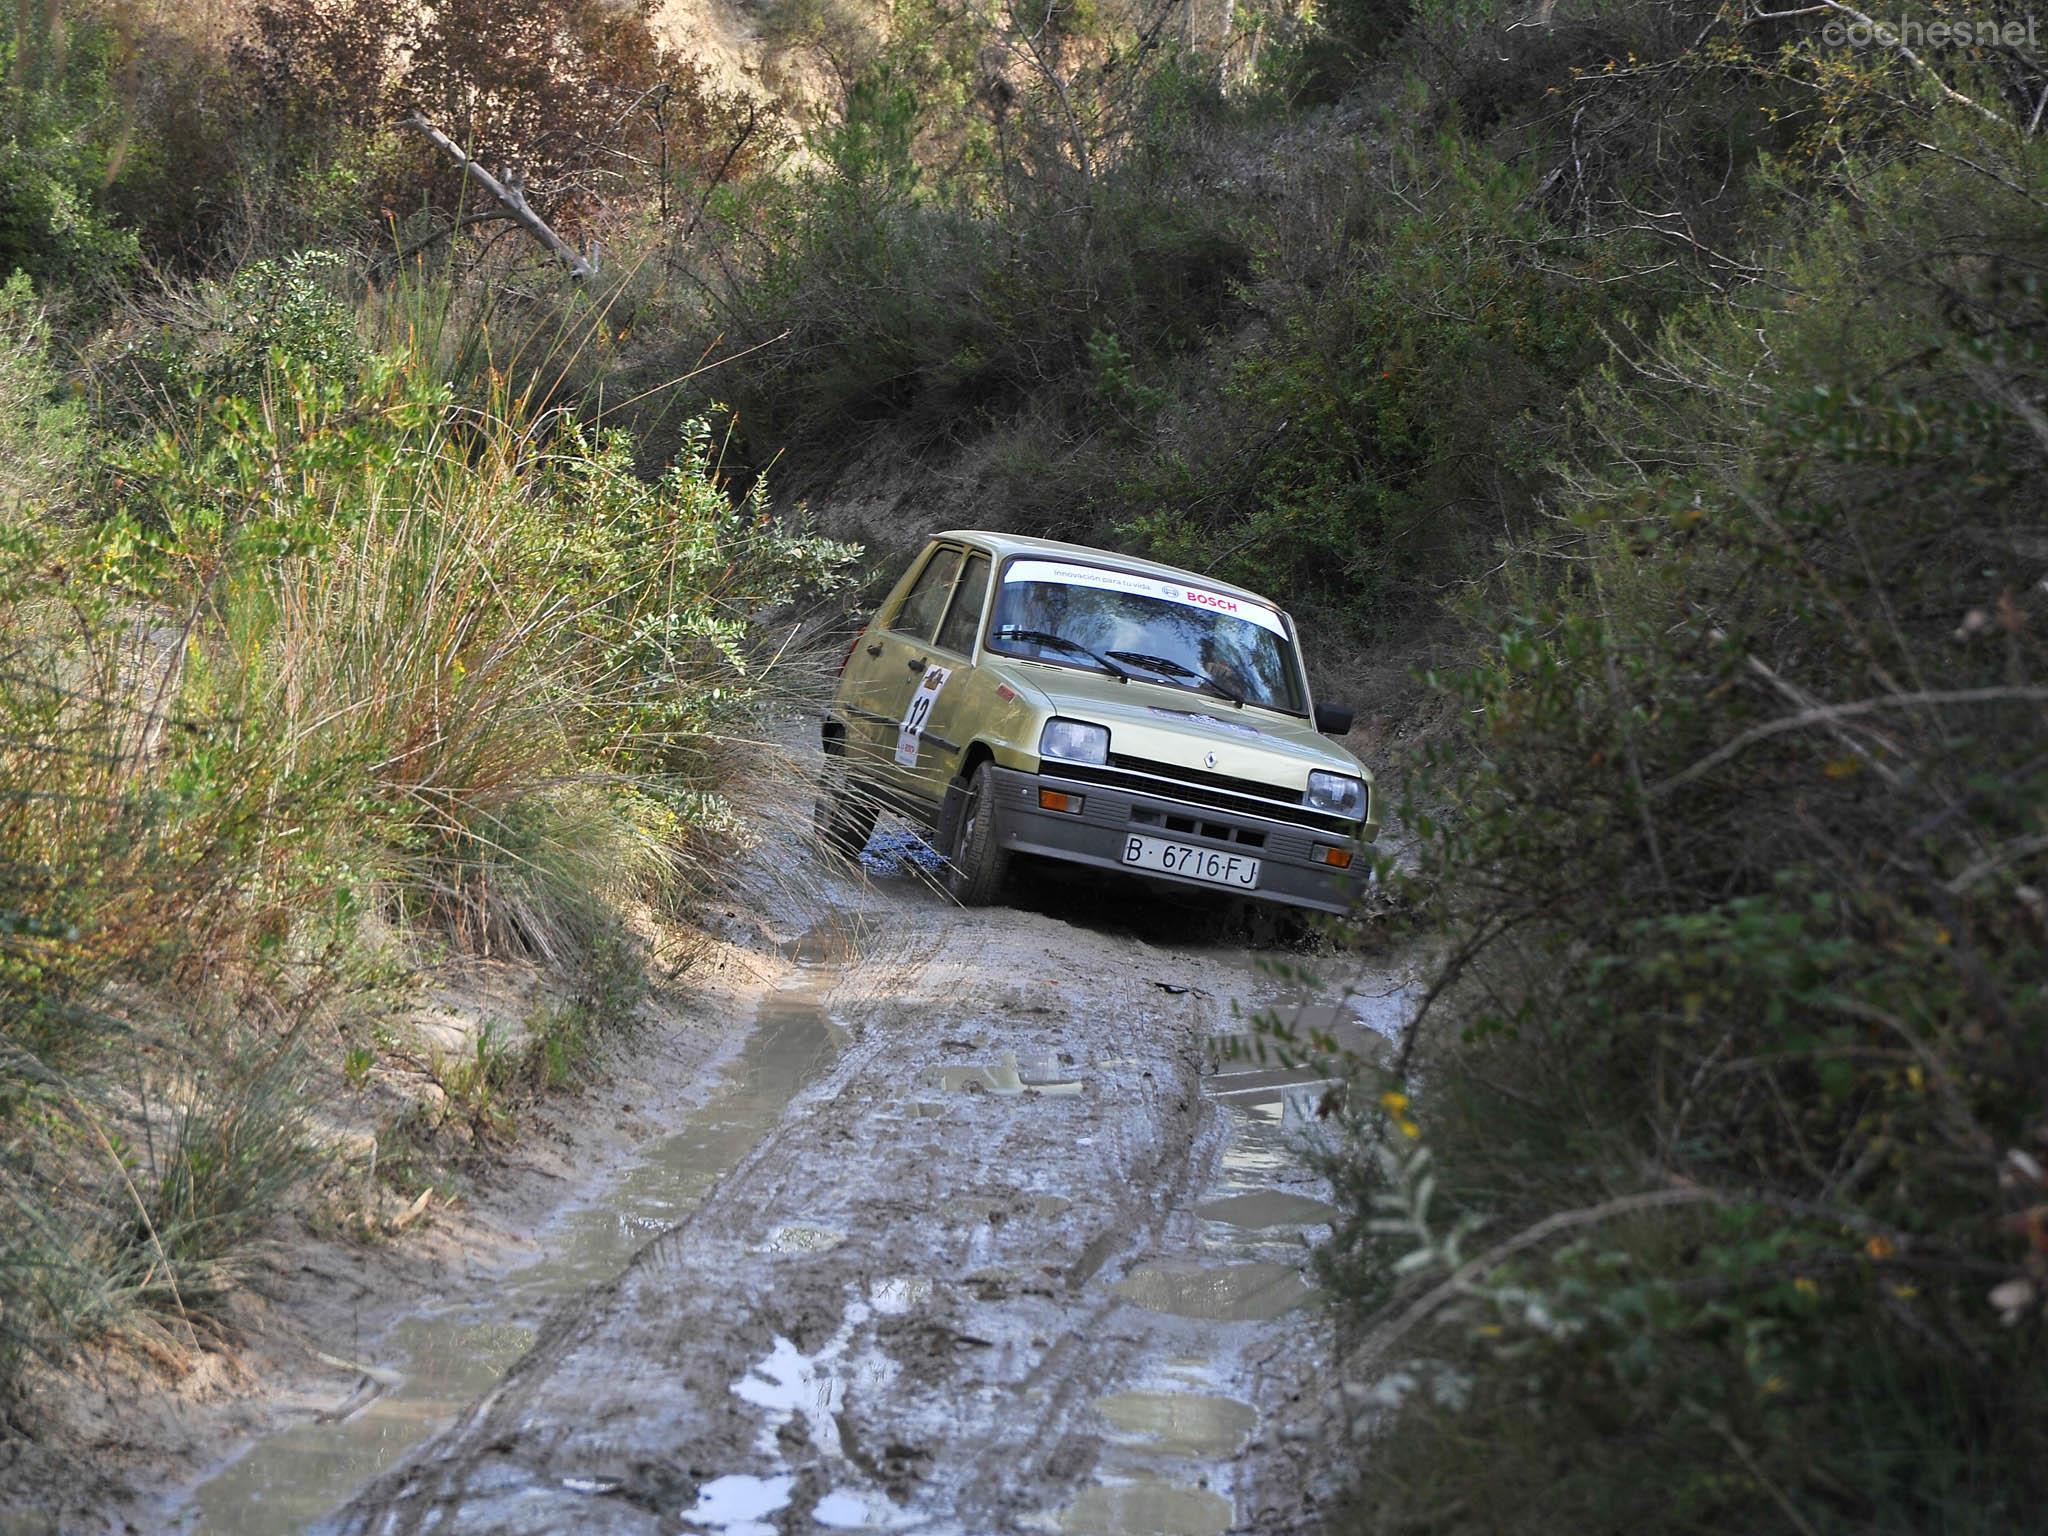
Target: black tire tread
x=977 y=865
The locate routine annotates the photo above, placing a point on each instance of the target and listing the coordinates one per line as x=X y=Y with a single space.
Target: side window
x=919 y=615
x=963 y=620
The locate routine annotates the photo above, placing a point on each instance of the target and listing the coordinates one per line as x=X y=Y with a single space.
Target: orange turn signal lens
x=1056 y=800
x=1336 y=858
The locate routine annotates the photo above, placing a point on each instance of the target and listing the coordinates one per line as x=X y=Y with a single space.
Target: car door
x=952 y=703
x=889 y=668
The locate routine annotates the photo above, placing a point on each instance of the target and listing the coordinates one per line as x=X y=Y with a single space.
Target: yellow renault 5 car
x=1025 y=697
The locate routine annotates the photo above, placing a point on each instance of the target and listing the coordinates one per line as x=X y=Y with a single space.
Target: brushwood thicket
x=1640 y=402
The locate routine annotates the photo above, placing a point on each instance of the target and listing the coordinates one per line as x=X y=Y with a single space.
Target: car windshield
x=1156 y=630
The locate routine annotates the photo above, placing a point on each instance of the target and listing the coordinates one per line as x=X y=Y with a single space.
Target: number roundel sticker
x=910 y=734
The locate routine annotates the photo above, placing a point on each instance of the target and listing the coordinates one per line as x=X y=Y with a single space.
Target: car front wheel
x=977 y=863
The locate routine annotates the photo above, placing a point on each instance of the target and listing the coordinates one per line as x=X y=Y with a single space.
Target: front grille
x=1200 y=776
x=1168 y=782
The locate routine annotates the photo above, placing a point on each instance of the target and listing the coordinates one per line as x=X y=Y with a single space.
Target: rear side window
x=963 y=619
x=919 y=615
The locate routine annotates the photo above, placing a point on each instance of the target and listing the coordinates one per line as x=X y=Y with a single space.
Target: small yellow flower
x=1395 y=1102
x=1880 y=1247
x=1774 y=1385
x=1905 y=1292
x=1410 y=1129
x=1805 y=1287
x=1489 y=1330
x=1917 y=1078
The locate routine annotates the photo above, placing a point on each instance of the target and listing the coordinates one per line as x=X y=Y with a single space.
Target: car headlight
x=1338 y=794
x=1074 y=741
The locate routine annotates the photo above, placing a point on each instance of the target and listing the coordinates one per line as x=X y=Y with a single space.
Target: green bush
x=58 y=150
x=336 y=649
x=42 y=436
x=1398 y=416
x=936 y=267
x=1739 y=867
x=514 y=649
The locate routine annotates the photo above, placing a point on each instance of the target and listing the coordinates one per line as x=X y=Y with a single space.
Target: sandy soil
x=717 y=35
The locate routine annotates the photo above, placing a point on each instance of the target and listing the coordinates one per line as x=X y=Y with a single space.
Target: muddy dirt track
x=1009 y=1240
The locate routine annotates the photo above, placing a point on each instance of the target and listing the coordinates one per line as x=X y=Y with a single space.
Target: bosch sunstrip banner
x=1144 y=586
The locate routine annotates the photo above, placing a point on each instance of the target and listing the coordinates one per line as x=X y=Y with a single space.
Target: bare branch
x=513 y=199
x=1470 y=1273
x=1891 y=39
x=2011 y=853
x=1827 y=713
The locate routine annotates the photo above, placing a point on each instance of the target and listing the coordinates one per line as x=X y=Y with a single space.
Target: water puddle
x=739 y=1505
x=1181 y=1423
x=789 y=1384
x=791 y=1388
x=1230 y=1293
x=449 y=1356
x=1268 y=1208
x=1005 y=1078
x=1146 y=1508
x=794 y=1239
x=1272 y=1136
x=844 y=1511
x=1365 y=1022
x=1181 y=1418
x=898 y=1295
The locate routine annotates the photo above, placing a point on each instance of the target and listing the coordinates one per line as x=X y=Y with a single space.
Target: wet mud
x=998 y=1222
x=447 y=1357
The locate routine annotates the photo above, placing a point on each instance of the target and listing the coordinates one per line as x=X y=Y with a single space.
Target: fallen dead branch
x=512 y=196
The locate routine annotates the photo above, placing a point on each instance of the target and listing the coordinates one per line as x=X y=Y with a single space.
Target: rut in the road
x=901 y=1311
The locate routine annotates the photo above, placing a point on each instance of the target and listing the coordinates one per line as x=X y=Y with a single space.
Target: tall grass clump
x=322 y=675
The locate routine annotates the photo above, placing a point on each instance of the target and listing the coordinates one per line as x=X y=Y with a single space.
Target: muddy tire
x=976 y=864
x=845 y=815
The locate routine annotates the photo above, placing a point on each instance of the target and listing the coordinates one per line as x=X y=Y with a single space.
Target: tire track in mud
x=960 y=1287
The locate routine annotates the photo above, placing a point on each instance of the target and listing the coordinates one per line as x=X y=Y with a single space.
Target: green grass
x=347 y=675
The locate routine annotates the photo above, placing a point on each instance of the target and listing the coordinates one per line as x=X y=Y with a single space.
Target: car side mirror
x=1334 y=719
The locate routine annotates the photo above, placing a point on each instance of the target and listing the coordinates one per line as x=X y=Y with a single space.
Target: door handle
x=920 y=664
x=875 y=649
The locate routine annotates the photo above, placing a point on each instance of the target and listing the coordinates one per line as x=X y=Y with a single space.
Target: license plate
x=1210 y=864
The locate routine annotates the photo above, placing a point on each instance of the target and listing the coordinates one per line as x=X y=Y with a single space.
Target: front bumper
x=1097 y=835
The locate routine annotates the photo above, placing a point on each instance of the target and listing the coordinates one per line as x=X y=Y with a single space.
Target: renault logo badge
x=1209 y=760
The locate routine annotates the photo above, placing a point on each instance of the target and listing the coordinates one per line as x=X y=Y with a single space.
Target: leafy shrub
x=479 y=627
x=56 y=95
x=337 y=648
x=1398 y=414
x=878 y=297
x=42 y=438
x=578 y=98
x=1739 y=864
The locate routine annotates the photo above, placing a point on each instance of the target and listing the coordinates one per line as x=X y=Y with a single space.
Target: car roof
x=1006 y=544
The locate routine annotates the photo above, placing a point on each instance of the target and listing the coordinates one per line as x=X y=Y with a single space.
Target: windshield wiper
x=1162 y=665
x=1047 y=637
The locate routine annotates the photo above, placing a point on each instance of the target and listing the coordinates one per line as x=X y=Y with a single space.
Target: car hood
x=1172 y=725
